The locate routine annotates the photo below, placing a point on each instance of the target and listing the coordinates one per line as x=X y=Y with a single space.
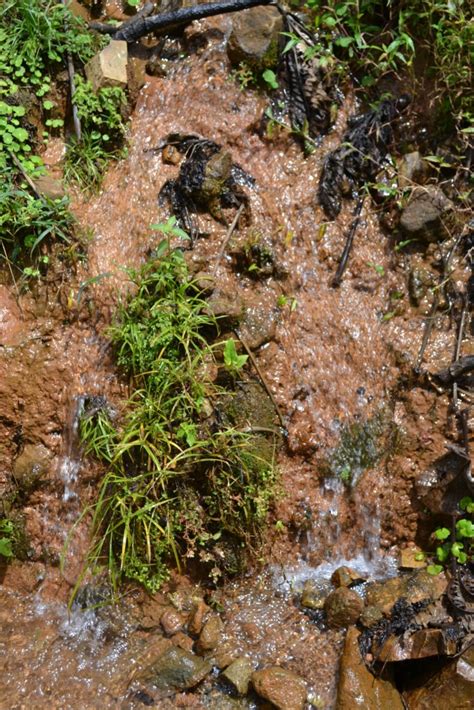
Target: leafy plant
x=269 y=77
x=458 y=544
x=7 y=533
x=233 y=362
x=178 y=482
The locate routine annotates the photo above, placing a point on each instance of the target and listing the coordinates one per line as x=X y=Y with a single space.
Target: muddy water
x=331 y=360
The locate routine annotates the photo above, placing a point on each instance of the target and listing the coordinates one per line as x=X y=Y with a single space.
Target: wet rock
x=420 y=644
x=442 y=485
x=258 y=326
x=412 y=169
x=370 y=616
x=78 y=10
x=343 y=607
x=225 y=306
x=157 y=66
x=31 y=466
x=408 y=558
x=425 y=214
x=313 y=595
x=345 y=577
x=284 y=689
x=50 y=187
x=451 y=687
x=171 y=621
x=177 y=669
x=210 y=634
x=135 y=77
x=357 y=687
x=10 y=320
x=196 y=620
x=255 y=38
x=183 y=641
x=416 y=587
x=109 y=67
x=238 y=674
x=420 y=280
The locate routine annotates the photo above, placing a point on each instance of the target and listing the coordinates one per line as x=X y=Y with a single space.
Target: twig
x=72 y=85
x=348 y=245
x=25 y=175
x=457 y=349
x=12 y=275
x=262 y=379
x=141 y=26
x=228 y=236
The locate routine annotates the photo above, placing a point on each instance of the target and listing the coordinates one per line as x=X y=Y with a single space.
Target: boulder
x=357 y=687
x=451 y=687
x=416 y=587
x=343 y=607
x=426 y=213
x=109 y=67
x=421 y=644
x=284 y=689
x=238 y=674
x=176 y=669
x=255 y=38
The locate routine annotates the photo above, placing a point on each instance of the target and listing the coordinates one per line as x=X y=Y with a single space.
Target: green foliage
x=270 y=78
x=233 y=362
x=461 y=545
x=178 y=482
x=103 y=130
x=7 y=535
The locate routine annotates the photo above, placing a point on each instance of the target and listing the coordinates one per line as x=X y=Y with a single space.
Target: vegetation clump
x=180 y=483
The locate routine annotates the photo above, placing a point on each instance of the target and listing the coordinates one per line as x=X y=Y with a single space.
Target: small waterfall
x=71 y=461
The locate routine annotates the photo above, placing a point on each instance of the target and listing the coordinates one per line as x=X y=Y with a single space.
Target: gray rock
x=50 y=187
x=210 y=635
x=426 y=213
x=177 y=669
x=238 y=674
x=258 y=326
x=284 y=689
x=255 y=38
x=412 y=169
x=343 y=607
x=109 y=67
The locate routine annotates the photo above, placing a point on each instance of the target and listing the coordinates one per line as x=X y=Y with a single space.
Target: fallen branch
x=348 y=246
x=72 y=86
x=140 y=25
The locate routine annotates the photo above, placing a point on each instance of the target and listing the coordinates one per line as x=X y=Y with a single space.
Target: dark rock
x=177 y=669
x=370 y=616
x=284 y=689
x=357 y=687
x=345 y=577
x=238 y=674
x=451 y=687
x=210 y=635
x=343 y=607
x=417 y=587
x=425 y=214
x=412 y=169
x=255 y=38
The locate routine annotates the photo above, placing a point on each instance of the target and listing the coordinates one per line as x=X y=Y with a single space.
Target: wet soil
x=332 y=360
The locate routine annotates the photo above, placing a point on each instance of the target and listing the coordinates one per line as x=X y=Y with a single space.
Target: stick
x=141 y=26
x=230 y=231
x=262 y=379
x=348 y=246
x=72 y=86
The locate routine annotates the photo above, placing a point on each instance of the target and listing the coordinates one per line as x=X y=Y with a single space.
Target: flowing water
x=329 y=363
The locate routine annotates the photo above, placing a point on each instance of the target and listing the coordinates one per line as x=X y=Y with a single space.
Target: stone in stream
x=426 y=213
x=238 y=674
x=346 y=577
x=176 y=669
x=416 y=587
x=210 y=635
x=109 y=67
x=172 y=621
x=31 y=466
x=357 y=687
x=255 y=38
x=313 y=595
x=343 y=607
x=286 y=690
x=411 y=558
x=258 y=325
x=451 y=687
x=420 y=644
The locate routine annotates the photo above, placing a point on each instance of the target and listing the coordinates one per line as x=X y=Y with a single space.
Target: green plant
x=7 y=535
x=233 y=362
x=103 y=132
x=457 y=544
x=178 y=483
x=270 y=78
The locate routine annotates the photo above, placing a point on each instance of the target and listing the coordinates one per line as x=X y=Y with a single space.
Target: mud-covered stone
x=31 y=466
x=258 y=326
x=313 y=595
x=255 y=38
x=345 y=577
x=50 y=187
x=210 y=635
x=451 y=687
x=171 y=621
x=417 y=587
x=238 y=674
x=109 y=67
x=420 y=644
x=177 y=669
x=425 y=214
x=343 y=607
x=370 y=616
x=357 y=687
x=412 y=169
x=286 y=690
